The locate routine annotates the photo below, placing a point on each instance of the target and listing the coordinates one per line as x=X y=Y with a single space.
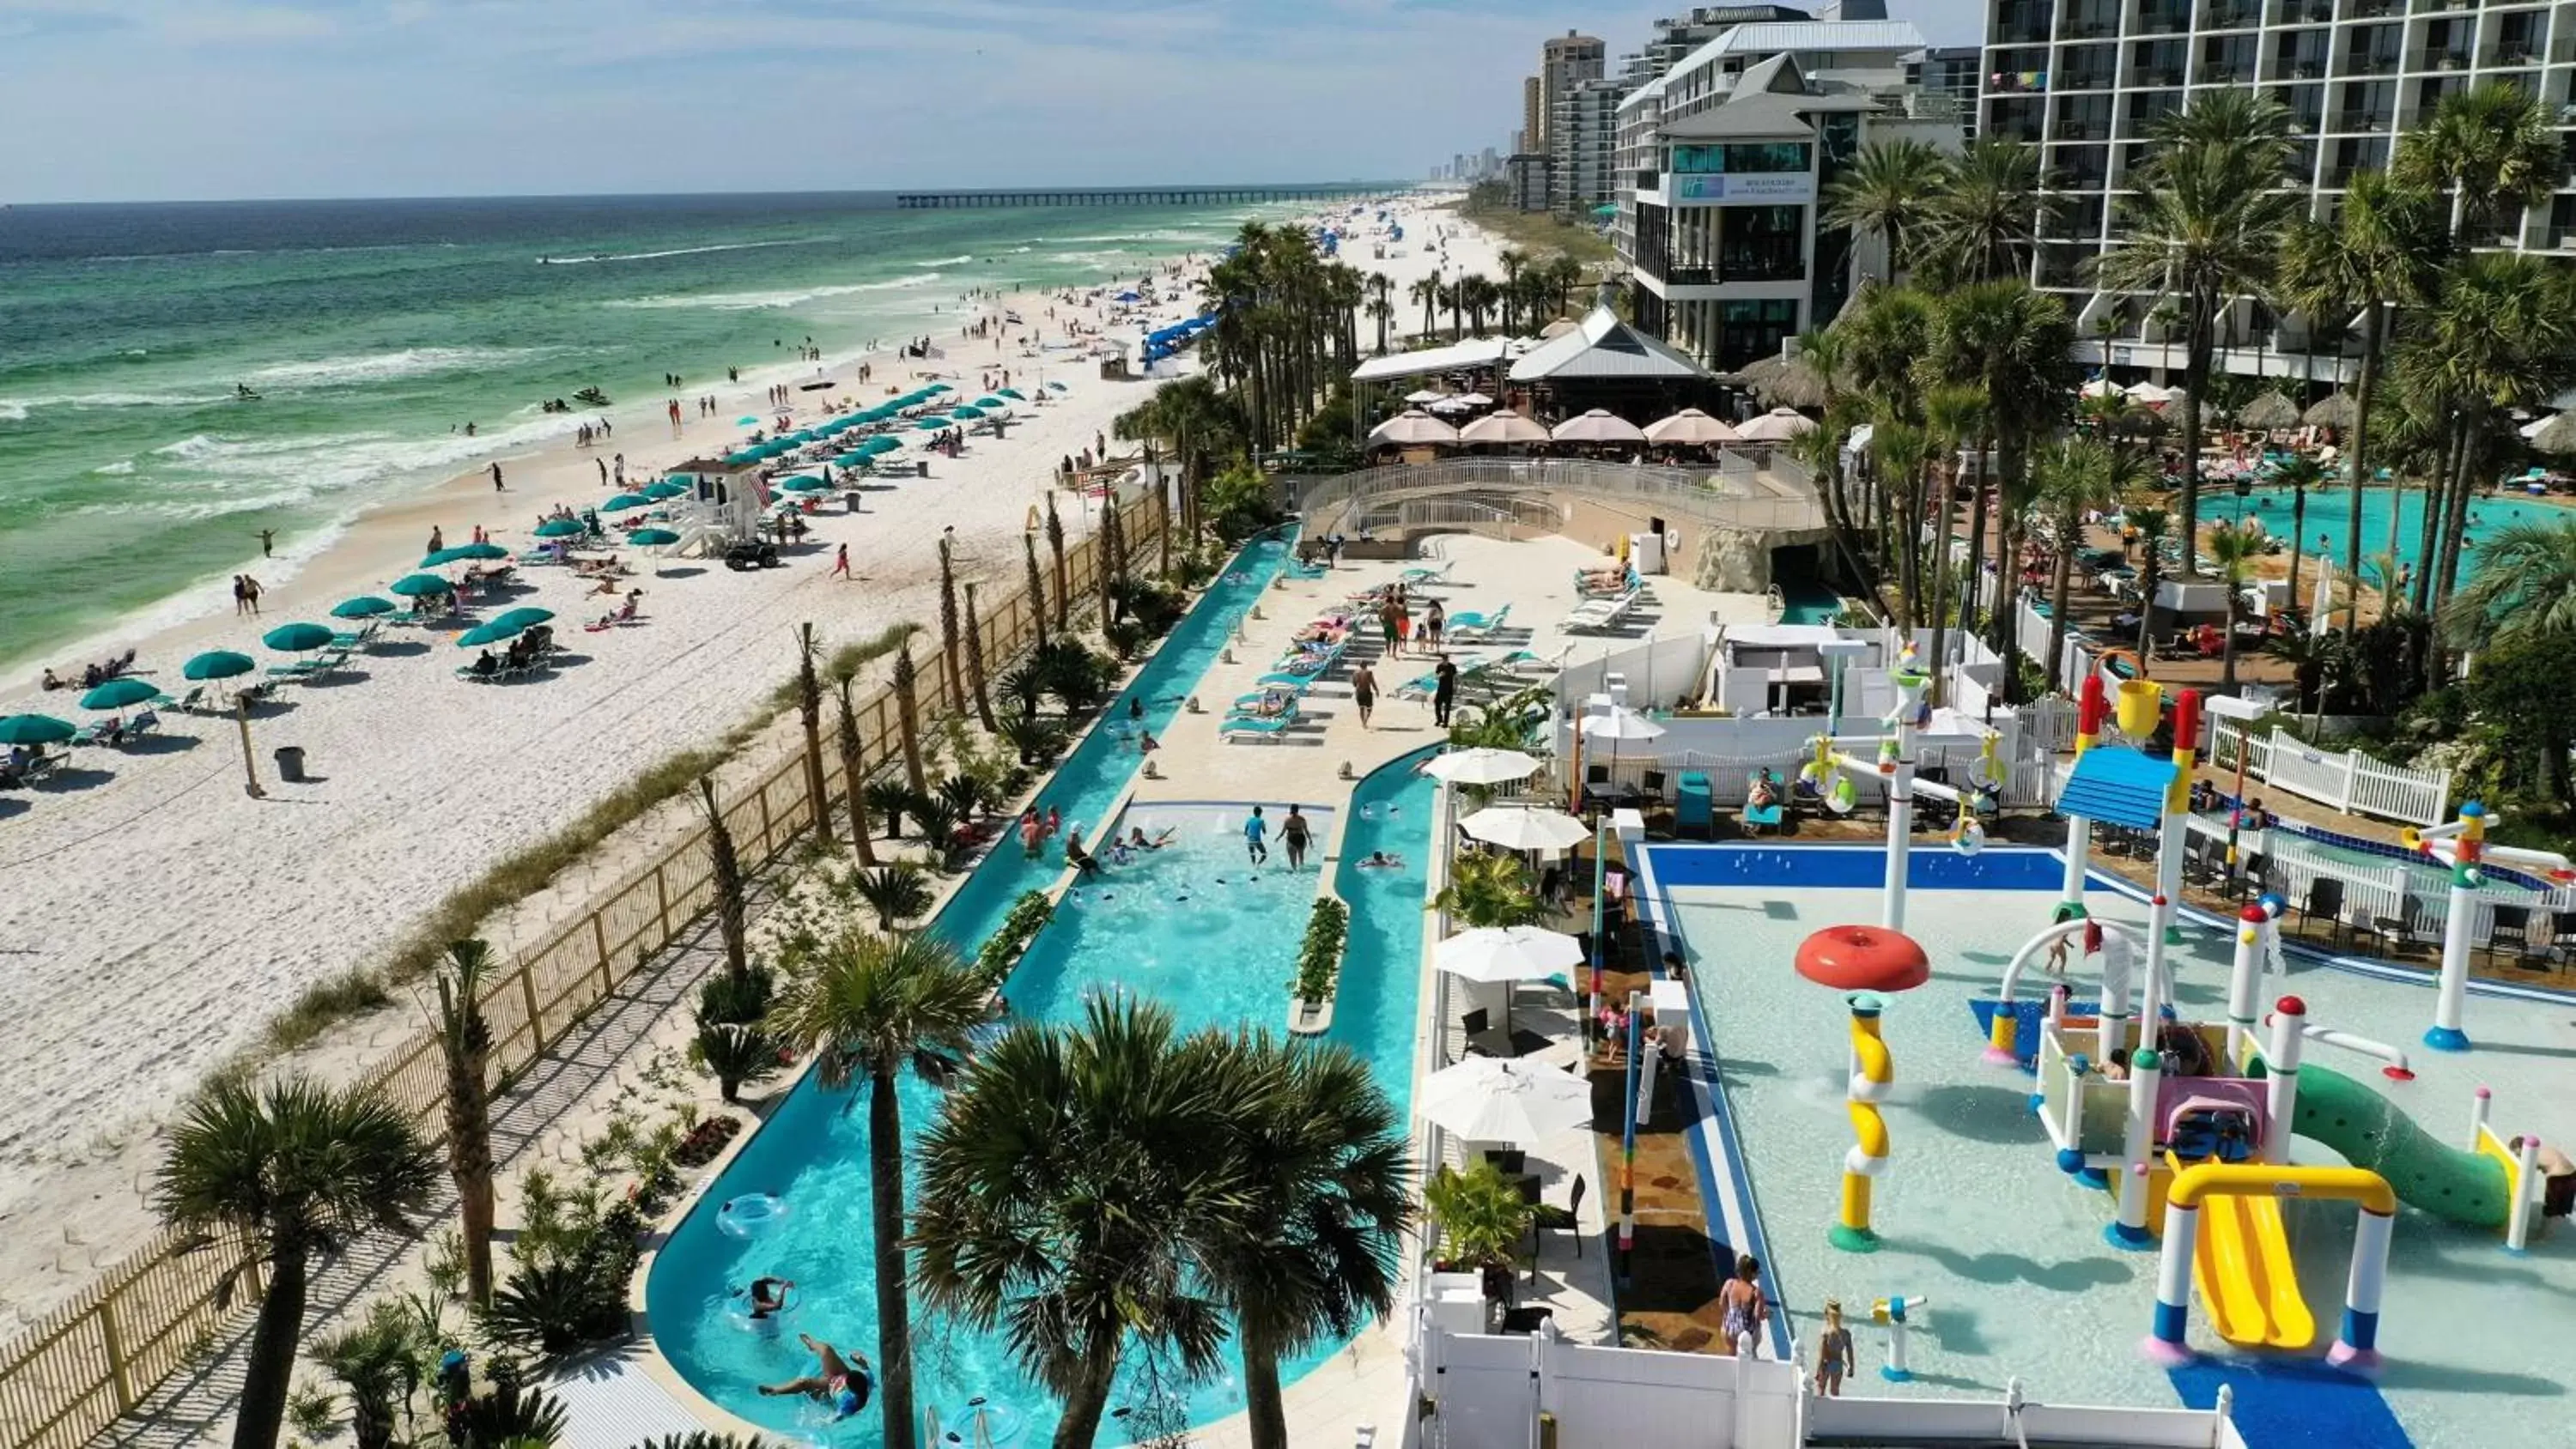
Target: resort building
x=1721 y=162
x=2086 y=80
x=1581 y=148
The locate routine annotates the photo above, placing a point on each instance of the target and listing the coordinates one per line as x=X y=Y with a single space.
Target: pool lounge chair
x=1414 y=578
x=1467 y=624
x=1239 y=727
x=1600 y=615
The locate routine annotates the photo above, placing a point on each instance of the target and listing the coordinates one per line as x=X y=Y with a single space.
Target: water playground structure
x=1838 y=761
x=2188 y=1123
x=1870 y=965
x=2462 y=847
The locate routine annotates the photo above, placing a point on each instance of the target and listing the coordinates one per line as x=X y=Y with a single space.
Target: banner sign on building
x=1744 y=187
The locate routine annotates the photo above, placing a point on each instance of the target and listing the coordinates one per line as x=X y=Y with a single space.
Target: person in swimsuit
x=1255 y=831
x=1364 y=692
x=768 y=1296
x=1833 y=1352
x=1293 y=833
x=835 y=1380
x=1742 y=1311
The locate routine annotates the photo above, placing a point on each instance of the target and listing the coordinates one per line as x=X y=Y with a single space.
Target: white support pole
x=2079 y=846
x=2137 y=1145
x=2356 y=1347
x=1900 y=833
x=2160 y=918
x=2525 y=1186
x=2244 y=982
x=2480 y=1105
x=2281 y=1079
x=2445 y=1034
x=2166 y=1340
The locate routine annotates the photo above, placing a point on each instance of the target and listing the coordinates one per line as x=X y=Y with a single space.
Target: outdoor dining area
x=1532 y=1057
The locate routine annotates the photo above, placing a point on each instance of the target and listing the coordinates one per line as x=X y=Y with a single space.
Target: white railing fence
x=2348 y=780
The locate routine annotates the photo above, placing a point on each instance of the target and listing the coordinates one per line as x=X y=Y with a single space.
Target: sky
x=144 y=100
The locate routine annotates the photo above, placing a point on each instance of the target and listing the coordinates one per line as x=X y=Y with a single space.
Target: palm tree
x=2493 y=147
x=2233 y=551
x=1954 y=417
x=1381 y=306
x=809 y=713
x=948 y=641
x=2300 y=474
x=1055 y=546
x=2204 y=231
x=465 y=1045
x=1888 y=188
x=1062 y=1192
x=2526 y=586
x=2076 y=475
x=854 y=777
x=1513 y=261
x=2015 y=342
x=1426 y=291
x=1490 y=889
x=871 y=1006
x=295 y=1169
x=2382 y=251
x=907 y=719
x=979 y=680
x=1983 y=223
x=1326 y=1199
x=1902 y=450
x=2153 y=526
x=1036 y=588
x=724 y=866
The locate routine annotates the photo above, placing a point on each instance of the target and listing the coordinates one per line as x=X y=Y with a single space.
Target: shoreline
x=421 y=781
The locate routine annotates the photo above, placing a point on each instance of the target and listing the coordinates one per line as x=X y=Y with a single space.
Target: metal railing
x=1723 y=497
x=2348 y=780
x=79 y=1367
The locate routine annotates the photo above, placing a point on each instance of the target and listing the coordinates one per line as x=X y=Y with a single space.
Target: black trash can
x=290 y=764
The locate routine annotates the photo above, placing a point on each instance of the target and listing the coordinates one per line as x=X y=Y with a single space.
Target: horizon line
x=1386 y=182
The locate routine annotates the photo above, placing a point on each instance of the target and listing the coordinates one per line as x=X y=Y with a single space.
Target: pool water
x=1194 y=926
x=2329 y=516
x=2009 y=1249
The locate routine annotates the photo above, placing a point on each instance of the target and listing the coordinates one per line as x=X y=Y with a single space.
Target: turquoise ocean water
x=371 y=330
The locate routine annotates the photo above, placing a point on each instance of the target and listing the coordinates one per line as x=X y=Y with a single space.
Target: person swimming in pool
x=1136 y=838
x=835 y=1380
x=768 y=1296
x=1380 y=860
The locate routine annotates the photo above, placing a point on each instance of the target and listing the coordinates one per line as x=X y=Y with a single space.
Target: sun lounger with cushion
x=1237 y=727
x=1468 y=624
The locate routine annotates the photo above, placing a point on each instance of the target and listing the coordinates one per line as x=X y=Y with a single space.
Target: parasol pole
x=250 y=760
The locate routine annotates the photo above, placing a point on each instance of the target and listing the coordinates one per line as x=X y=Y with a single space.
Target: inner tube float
x=980 y=1421
x=1863 y=958
x=751 y=1215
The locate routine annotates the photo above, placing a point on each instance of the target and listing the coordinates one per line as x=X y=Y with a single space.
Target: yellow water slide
x=2246 y=1276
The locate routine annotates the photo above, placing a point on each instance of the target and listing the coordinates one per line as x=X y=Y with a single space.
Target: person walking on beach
x=1255 y=838
x=437 y=538
x=1364 y=693
x=841 y=563
x=1444 y=691
x=1434 y=619
x=250 y=591
x=241 y=595
x=496 y=479
x=1294 y=832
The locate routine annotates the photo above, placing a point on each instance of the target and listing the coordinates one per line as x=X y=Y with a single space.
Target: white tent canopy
x=1777 y=426
x=1482 y=765
x=1520 y=827
x=1457 y=356
x=1508 y=953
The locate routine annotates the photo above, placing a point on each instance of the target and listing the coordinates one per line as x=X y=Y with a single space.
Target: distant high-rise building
x=1947 y=80
x=1486 y=161
x=1533 y=129
x=1564 y=61
x=1583 y=139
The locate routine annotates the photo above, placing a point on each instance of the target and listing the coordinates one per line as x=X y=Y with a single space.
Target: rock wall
x=1733 y=561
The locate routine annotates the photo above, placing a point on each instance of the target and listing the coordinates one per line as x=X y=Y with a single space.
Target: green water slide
x=2345 y=1115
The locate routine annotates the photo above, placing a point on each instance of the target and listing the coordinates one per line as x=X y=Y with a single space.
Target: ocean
x=130 y=474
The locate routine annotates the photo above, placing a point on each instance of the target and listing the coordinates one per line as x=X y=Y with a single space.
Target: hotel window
x=1742 y=157
x=1747 y=332
x=1762 y=244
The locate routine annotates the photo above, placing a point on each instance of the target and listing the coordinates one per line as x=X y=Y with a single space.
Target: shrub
x=892 y=799
x=1124 y=638
x=724 y=1000
x=963 y=793
x=1023 y=687
x=897 y=893
x=1319 y=960
x=938 y=822
x=1036 y=740
x=1002 y=949
x=736 y=1054
x=554 y=1307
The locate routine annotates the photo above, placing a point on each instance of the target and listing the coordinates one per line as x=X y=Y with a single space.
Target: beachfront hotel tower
x=2085 y=80
x=1721 y=161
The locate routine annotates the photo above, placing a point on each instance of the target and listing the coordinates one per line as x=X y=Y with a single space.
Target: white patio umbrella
x=1599 y=426
x=1451 y=405
x=1475 y=399
x=1505 y=426
x=1500 y=1099
x=1425 y=395
x=1482 y=766
x=1620 y=723
x=2146 y=392
x=1777 y=426
x=1689 y=427
x=2100 y=387
x=1413 y=428
x=1508 y=953
x=1520 y=827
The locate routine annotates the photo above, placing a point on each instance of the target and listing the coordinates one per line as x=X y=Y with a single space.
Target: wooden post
x=536 y=1019
x=766 y=845
x=118 y=1371
x=662 y=903
x=599 y=943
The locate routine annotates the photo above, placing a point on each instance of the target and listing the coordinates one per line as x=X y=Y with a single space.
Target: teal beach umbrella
x=561 y=528
x=666 y=489
x=746 y=422
x=119 y=694
x=364 y=606
x=938 y=387
x=415 y=586
x=624 y=501
x=935 y=425
x=966 y=414
x=34 y=729
x=492 y=633
x=804 y=483
x=880 y=444
x=1013 y=393
x=462 y=553
x=527 y=617
x=296 y=638
x=990 y=404
x=651 y=538
x=217 y=664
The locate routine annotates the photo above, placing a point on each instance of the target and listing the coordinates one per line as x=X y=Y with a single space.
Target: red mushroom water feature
x=1868 y=963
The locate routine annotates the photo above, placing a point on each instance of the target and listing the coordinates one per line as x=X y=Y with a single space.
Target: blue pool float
x=1001 y=1425
x=751 y=1215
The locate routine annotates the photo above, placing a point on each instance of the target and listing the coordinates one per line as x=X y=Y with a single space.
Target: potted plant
x=1482 y=1221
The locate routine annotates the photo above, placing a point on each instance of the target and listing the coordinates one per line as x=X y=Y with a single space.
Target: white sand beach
x=155 y=918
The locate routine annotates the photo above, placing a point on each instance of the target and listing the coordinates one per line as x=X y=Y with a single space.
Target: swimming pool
x=2329 y=517
x=1193 y=926
x=2008 y=1249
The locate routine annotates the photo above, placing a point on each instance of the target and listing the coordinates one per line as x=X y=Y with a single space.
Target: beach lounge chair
x=1600 y=615
x=1415 y=578
x=1467 y=624
x=191 y=702
x=300 y=669
x=1240 y=727
x=1262 y=703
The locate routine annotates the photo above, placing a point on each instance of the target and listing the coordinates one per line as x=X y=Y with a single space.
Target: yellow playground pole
x=1872 y=1071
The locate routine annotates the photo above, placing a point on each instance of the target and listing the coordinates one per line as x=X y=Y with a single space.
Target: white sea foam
x=16 y=409
x=758 y=301
x=674 y=252
x=385 y=366
x=117 y=469
x=12 y=410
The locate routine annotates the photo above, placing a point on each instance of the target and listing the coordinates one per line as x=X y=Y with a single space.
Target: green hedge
x=1319 y=961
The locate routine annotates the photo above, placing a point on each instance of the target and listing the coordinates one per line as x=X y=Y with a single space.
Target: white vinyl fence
x=2348 y=780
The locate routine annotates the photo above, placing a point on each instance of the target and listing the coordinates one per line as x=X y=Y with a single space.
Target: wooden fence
x=96 y=1357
